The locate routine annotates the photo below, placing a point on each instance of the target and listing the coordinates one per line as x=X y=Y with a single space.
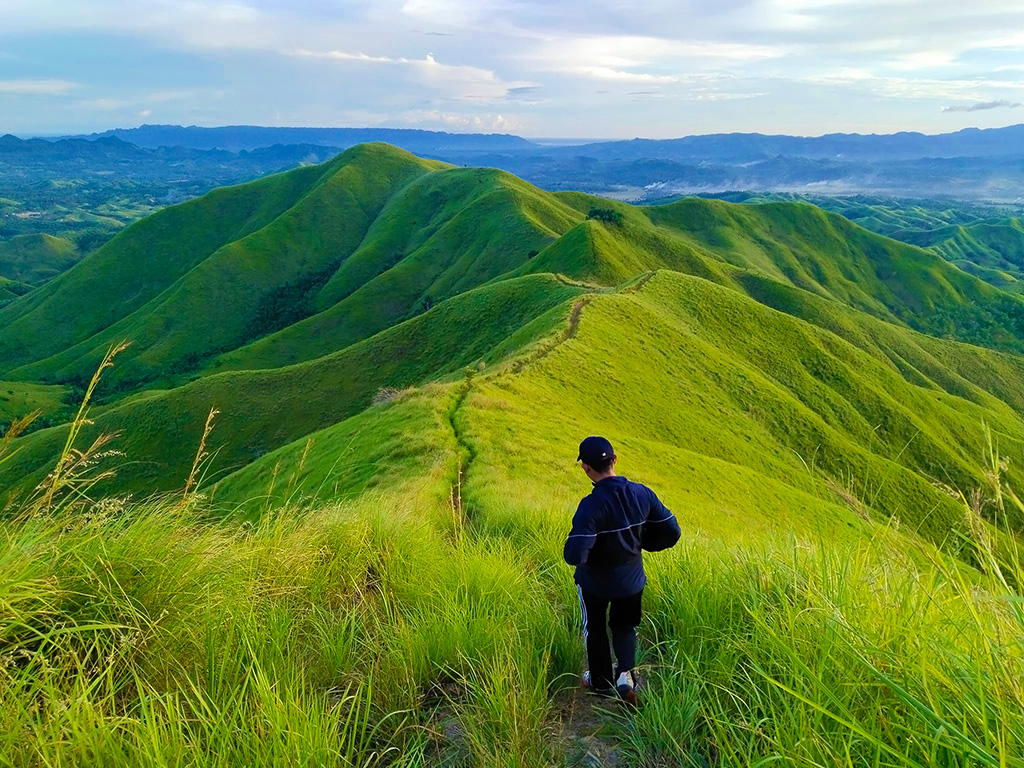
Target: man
x=610 y=528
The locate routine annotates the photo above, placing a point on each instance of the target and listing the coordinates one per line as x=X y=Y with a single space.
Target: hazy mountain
x=248 y=137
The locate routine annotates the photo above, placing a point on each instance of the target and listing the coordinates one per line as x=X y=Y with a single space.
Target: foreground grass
x=370 y=634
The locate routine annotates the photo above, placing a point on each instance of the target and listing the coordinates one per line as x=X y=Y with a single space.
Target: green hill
x=370 y=569
x=445 y=233
x=982 y=240
x=303 y=264
x=34 y=259
x=10 y=290
x=994 y=250
x=263 y=410
x=684 y=372
x=199 y=271
x=19 y=398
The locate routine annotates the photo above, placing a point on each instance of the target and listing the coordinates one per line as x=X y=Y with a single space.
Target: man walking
x=610 y=528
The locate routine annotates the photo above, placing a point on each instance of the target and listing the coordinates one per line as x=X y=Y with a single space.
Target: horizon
x=618 y=70
x=540 y=140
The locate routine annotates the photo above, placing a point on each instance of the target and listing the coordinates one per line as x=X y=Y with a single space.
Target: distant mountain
x=41 y=160
x=725 y=147
x=747 y=147
x=247 y=137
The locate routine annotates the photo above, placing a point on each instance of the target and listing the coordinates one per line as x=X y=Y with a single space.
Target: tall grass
x=366 y=634
x=362 y=635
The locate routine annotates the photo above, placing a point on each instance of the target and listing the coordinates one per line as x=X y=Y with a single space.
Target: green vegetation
x=423 y=624
x=19 y=398
x=34 y=259
x=299 y=265
x=986 y=241
x=264 y=410
x=363 y=477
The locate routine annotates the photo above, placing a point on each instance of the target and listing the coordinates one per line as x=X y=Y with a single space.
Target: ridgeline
x=403 y=356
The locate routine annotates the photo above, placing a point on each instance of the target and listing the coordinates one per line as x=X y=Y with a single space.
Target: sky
x=565 y=68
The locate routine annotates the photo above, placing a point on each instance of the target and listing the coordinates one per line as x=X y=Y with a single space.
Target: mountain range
x=730 y=147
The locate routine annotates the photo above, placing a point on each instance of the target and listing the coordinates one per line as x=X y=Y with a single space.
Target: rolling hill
x=33 y=259
x=372 y=559
x=764 y=338
x=298 y=265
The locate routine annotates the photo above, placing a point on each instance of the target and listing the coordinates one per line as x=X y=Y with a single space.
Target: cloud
x=889 y=87
x=621 y=76
x=346 y=56
x=981 y=106
x=481 y=122
x=42 y=87
x=642 y=60
x=457 y=81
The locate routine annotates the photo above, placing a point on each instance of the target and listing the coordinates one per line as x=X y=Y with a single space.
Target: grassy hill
x=19 y=398
x=201 y=269
x=370 y=569
x=685 y=372
x=293 y=267
x=262 y=410
x=10 y=290
x=34 y=259
x=992 y=249
x=986 y=241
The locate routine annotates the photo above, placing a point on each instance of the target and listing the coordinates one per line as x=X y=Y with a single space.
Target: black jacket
x=610 y=528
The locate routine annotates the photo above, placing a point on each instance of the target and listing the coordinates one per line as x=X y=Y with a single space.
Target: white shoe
x=626 y=686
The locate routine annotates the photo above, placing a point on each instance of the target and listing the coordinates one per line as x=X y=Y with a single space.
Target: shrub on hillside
x=607 y=215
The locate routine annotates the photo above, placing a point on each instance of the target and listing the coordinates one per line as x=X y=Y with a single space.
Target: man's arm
x=582 y=536
x=661 y=529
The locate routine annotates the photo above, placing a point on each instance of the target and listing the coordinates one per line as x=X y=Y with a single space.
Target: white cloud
x=634 y=59
x=468 y=122
x=41 y=87
x=346 y=56
x=463 y=82
x=619 y=75
x=915 y=87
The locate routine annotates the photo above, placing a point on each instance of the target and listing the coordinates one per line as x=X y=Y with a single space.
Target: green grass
x=303 y=264
x=34 y=259
x=692 y=376
x=264 y=410
x=445 y=233
x=19 y=399
x=203 y=294
x=390 y=630
x=10 y=290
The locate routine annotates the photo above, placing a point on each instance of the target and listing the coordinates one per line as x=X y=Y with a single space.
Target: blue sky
x=615 y=68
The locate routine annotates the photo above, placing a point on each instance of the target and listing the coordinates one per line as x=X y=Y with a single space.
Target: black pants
x=623 y=617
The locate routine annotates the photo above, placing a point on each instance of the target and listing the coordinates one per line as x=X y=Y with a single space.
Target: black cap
x=595 y=450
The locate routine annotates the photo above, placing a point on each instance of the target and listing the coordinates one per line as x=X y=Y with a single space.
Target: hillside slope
x=306 y=263
x=190 y=279
x=992 y=249
x=262 y=410
x=748 y=419
x=34 y=259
